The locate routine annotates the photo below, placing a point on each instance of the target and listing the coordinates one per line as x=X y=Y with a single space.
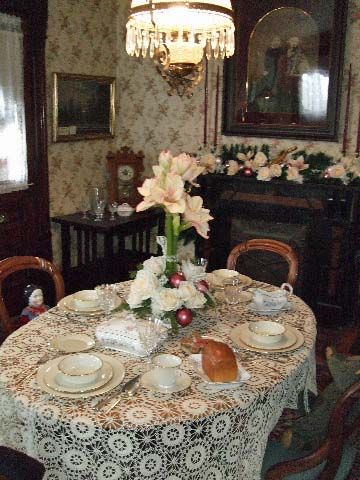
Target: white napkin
x=121 y=333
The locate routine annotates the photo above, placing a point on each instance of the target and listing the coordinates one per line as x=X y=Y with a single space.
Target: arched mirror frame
x=34 y=17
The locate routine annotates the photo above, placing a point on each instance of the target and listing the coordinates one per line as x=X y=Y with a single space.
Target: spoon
x=129 y=387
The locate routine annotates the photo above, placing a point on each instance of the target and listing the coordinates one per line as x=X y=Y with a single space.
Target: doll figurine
x=33 y=295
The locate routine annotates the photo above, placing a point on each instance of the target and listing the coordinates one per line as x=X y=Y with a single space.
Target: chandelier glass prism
x=178 y=34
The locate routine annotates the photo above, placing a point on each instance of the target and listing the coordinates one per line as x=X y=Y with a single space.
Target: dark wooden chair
x=333 y=459
x=11 y=265
x=16 y=465
x=261 y=263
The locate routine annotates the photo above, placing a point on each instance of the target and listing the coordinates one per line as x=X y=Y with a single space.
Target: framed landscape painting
x=83 y=107
x=285 y=77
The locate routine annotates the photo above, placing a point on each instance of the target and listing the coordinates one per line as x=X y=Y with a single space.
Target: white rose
x=144 y=285
x=155 y=265
x=337 y=171
x=233 y=167
x=196 y=301
x=166 y=300
x=294 y=175
x=241 y=156
x=186 y=290
x=275 y=170
x=264 y=174
x=260 y=159
x=134 y=299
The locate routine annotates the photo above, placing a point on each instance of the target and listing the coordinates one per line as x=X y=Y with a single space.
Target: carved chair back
x=331 y=450
x=264 y=244
x=11 y=265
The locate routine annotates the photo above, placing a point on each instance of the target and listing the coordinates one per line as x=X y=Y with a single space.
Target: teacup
x=166 y=367
x=80 y=368
x=85 y=300
x=276 y=300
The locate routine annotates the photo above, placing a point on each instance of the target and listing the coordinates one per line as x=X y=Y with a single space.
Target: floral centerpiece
x=161 y=287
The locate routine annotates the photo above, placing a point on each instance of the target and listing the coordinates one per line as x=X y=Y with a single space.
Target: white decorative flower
x=260 y=159
x=186 y=291
x=186 y=166
x=196 y=301
x=197 y=216
x=208 y=162
x=143 y=286
x=242 y=157
x=294 y=175
x=299 y=163
x=275 y=170
x=165 y=300
x=192 y=272
x=264 y=174
x=233 y=168
x=337 y=171
x=156 y=265
x=134 y=298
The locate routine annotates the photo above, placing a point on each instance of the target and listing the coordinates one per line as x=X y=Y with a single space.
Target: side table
x=105 y=251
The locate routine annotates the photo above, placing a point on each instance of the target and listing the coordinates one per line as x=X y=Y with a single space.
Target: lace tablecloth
x=196 y=434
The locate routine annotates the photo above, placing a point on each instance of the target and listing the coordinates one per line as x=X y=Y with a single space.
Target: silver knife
x=131 y=387
x=115 y=396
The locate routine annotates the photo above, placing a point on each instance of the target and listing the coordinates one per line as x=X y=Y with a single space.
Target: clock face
x=126 y=173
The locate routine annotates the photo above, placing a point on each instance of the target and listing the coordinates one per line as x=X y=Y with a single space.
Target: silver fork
x=20 y=377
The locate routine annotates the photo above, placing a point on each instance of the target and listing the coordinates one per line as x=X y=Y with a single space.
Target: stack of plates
x=67 y=305
x=50 y=379
x=291 y=340
x=217 y=278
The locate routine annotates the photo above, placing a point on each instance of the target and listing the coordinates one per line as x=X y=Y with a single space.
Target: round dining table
x=203 y=432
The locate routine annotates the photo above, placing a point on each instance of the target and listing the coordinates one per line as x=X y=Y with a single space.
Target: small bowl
x=85 y=299
x=266 y=331
x=224 y=274
x=125 y=210
x=80 y=368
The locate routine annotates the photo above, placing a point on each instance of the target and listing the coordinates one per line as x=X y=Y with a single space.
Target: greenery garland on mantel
x=293 y=165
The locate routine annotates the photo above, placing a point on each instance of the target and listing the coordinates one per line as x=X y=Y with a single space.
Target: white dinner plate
x=149 y=380
x=241 y=334
x=215 y=282
x=270 y=312
x=72 y=343
x=66 y=304
x=196 y=362
x=118 y=376
x=57 y=381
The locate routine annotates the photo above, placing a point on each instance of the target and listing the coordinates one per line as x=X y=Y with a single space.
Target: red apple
x=202 y=286
x=184 y=316
x=176 y=278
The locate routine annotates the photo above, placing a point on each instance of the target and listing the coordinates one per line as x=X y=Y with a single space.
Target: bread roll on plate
x=219 y=362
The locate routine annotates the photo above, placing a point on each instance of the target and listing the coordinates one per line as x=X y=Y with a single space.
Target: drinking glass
x=97 y=200
x=107 y=297
x=113 y=209
x=232 y=289
x=99 y=210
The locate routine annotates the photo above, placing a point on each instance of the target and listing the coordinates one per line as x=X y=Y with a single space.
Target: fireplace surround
x=320 y=221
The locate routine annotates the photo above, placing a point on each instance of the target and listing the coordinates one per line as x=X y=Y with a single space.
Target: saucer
x=118 y=376
x=240 y=335
x=66 y=304
x=288 y=339
x=183 y=381
x=72 y=343
x=288 y=306
x=55 y=380
x=196 y=362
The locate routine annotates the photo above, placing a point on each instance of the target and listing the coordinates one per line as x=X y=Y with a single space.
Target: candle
x=358 y=138
x=347 y=111
x=217 y=106
x=206 y=102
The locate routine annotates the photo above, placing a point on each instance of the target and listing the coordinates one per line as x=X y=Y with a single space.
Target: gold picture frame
x=83 y=107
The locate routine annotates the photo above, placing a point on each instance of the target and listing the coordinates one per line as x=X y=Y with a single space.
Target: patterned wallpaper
x=88 y=37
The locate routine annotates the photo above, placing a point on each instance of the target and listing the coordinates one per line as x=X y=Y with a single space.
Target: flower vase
x=172 y=223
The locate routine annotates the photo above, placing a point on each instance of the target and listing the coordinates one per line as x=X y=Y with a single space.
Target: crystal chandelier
x=178 y=34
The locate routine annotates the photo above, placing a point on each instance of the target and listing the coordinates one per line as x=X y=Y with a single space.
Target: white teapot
x=276 y=300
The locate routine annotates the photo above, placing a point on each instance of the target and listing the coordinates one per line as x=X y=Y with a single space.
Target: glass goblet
x=107 y=297
x=150 y=332
x=113 y=209
x=99 y=210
